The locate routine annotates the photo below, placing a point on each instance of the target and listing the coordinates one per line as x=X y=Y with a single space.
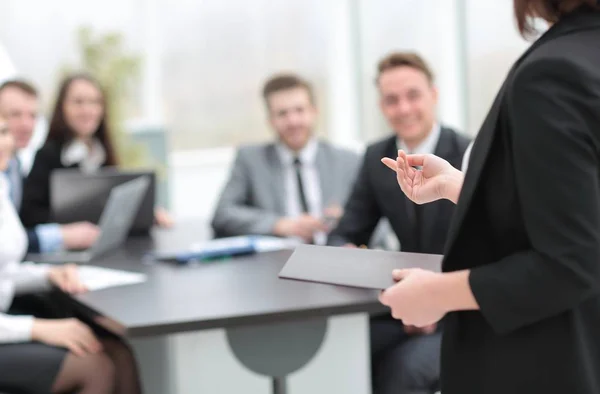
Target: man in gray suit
x=293 y=187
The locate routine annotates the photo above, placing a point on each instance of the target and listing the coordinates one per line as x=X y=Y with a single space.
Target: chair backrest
x=197 y=178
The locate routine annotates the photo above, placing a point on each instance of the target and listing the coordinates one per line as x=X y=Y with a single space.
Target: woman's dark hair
x=61 y=132
x=549 y=10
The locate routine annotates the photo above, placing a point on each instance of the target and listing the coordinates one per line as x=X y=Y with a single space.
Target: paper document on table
x=96 y=278
x=264 y=243
x=222 y=244
x=255 y=243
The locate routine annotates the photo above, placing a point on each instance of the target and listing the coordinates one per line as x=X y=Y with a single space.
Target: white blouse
x=467 y=157
x=15 y=277
x=88 y=158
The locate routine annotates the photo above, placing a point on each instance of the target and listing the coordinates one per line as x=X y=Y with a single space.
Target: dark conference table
x=242 y=295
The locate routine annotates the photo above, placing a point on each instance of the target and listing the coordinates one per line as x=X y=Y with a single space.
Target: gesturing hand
x=431 y=182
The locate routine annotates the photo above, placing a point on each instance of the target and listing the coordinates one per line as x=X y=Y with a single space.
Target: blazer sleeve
x=33 y=241
x=234 y=215
x=554 y=122
x=361 y=213
x=35 y=208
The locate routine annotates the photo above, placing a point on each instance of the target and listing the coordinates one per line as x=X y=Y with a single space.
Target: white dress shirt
x=78 y=152
x=310 y=181
x=466 y=158
x=15 y=277
x=427 y=146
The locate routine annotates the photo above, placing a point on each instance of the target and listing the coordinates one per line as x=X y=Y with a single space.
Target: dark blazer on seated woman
x=35 y=208
x=78 y=137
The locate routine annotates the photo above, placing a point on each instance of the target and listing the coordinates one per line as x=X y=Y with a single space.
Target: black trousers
x=402 y=363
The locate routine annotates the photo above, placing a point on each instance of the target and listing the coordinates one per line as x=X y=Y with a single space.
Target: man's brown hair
x=549 y=10
x=283 y=82
x=404 y=59
x=20 y=84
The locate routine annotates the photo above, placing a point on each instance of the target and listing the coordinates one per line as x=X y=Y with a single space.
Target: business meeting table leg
x=279 y=349
x=279 y=386
x=205 y=361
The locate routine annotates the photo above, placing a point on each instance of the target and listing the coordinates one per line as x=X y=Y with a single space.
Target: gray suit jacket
x=254 y=197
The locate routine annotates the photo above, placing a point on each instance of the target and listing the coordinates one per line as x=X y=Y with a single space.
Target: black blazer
x=35 y=208
x=528 y=225
x=376 y=194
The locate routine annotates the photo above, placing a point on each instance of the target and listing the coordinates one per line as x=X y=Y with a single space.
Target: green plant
x=105 y=57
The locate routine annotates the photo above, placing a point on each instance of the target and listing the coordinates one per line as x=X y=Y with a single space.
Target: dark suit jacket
x=528 y=225
x=35 y=208
x=376 y=194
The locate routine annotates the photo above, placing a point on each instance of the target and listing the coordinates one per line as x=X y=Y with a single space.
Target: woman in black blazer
x=78 y=137
x=520 y=292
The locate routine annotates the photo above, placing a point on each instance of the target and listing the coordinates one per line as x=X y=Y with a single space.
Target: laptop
x=76 y=196
x=115 y=222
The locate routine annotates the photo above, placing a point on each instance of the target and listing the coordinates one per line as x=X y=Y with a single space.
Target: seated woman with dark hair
x=78 y=137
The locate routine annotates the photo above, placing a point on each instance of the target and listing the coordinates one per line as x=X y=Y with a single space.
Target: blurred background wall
x=196 y=93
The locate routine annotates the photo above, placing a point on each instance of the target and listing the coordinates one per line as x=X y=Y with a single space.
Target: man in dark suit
x=293 y=187
x=405 y=359
x=19 y=106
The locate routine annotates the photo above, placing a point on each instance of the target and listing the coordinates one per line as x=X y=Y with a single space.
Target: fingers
x=391 y=164
x=384 y=297
x=73 y=280
x=408 y=171
x=57 y=277
x=163 y=218
x=315 y=224
x=75 y=348
x=404 y=162
x=87 y=340
x=403 y=179
x=409 y=162
x=67 y=279
x=333 y=211
x=400 y=274
x=404 y=170
x=415 y=160
x=92 y=232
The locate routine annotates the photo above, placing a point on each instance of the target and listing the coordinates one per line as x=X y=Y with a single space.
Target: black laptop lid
x=76 y=196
